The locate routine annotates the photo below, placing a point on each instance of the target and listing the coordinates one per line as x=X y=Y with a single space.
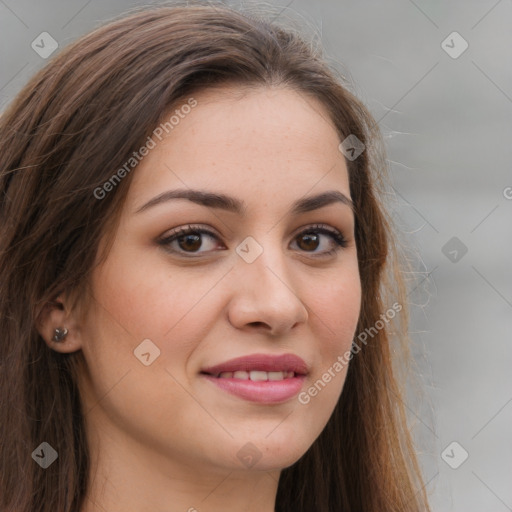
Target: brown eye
x=310 y=240
x=189 y=241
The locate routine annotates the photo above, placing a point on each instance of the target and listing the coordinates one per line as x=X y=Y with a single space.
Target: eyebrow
x=232 y=204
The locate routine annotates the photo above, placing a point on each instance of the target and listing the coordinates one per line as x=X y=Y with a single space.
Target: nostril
x=258 y=324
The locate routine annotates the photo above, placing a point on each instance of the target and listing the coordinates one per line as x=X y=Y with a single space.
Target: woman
x=198 y=279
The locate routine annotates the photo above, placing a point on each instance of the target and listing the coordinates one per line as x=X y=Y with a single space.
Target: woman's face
x=267 y=283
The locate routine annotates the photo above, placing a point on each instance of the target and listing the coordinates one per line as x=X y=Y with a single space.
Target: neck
x=127 y=477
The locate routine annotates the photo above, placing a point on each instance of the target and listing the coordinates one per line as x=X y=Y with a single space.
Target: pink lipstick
x=262 y=378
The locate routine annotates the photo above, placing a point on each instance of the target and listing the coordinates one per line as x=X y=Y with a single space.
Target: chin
x=274 y=452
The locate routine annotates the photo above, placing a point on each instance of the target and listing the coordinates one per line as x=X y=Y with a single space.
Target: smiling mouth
x=262 y=387
x=261 y=378
x=254 y=375
x=259 y=367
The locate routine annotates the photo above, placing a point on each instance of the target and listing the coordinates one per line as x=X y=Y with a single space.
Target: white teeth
x=256 y=375
x=276 y=375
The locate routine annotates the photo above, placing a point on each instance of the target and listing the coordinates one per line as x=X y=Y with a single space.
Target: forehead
x=266 y=144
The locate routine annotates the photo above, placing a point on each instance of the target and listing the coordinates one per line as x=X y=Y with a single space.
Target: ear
x=57 y=314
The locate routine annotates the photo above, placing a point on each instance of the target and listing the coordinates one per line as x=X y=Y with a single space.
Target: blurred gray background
x=446 y=113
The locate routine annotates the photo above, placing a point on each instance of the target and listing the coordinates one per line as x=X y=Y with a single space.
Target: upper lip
x=261 y=362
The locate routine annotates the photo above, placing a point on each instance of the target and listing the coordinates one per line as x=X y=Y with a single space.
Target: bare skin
x=162 y=437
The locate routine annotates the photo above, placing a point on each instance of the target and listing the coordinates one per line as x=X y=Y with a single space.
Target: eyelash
x=335 y=235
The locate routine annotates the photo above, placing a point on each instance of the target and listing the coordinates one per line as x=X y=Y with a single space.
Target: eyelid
x=196 y=228
x=336 y=234
x=169 y=237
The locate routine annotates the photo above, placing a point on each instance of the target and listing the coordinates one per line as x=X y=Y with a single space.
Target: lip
x=262 y=362
x=263 y=392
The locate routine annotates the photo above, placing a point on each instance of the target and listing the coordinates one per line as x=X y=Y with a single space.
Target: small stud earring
x=59 y=334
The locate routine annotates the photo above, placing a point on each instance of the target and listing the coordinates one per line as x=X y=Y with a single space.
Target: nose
x=265 y=295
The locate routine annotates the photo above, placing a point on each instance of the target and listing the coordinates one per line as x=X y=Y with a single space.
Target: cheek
x=149 y=300
x=175 y=310
x=133 y=304
x=334 y=316
x=335 y=310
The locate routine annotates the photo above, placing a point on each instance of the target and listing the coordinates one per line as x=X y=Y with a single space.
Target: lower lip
x=264 y=392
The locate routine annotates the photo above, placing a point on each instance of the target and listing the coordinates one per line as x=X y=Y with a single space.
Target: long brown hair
x=72 y=126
